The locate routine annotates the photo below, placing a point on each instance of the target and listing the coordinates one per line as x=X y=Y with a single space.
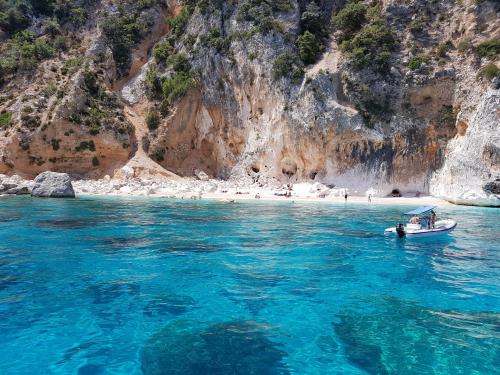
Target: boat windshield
x=420 y=210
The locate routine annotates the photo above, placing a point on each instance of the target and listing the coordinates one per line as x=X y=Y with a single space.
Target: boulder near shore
x=53 y=185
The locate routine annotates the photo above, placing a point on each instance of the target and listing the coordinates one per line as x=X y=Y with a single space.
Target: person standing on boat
x=433 y=219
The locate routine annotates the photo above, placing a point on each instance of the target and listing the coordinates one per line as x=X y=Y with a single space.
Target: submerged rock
x=225 y=348
x=53 y=185
x=381 y=339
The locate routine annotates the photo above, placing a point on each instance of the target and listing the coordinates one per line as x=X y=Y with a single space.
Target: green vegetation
x=152 y=83
x=416 y=26
x=311 y=42
x=416 y=62
x=489 y=48
x=464 y=46
x=309 y=47
x=170 y=89
x=178 y=23
x=441 y=51
x=90 y=81
x=370 y=47
x=23 y=52
x=162 y=51
x=366 y=39
x=351 y=18
x=216 y=40
x=447 y=116
x=55 y=144
x=288 y=65
x=17 y=15
x=489 y=72
x=86 y=145
x=261 y=14
x=311 y=21
x=175 y=87
x=123 y=32
x=5 y=119
x=153 y=119
x=71 y=65
x=180 y=63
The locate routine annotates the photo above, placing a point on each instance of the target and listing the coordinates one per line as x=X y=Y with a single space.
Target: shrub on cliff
x=216 y=40
x=152 y=83
x=489 y=48
x=123 y=32
x=162 y=51
x=175 y=87
x=351 y=18
x=5 y=118
x=153 y=119
x=23 y=52
x=309 y=47
x=489 y=72
x=310 y=20
x=179 y=62
x=179 y=22
x=288 y=65
x=366 y=39
x=371 y=46
x=416 y=62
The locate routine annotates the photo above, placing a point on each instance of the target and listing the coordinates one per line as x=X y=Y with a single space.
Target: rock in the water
x=53 y=185
x=225 y=348
x=6 y=187
x=18 y=190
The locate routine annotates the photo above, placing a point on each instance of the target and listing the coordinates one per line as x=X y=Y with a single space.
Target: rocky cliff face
x=387 y=96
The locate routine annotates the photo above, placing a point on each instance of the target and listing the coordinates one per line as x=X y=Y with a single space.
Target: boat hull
x=441 y=227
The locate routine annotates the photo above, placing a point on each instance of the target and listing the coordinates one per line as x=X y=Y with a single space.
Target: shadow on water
x=238 y=347
x=172 y=304
x=65 y=223
x=107 y=292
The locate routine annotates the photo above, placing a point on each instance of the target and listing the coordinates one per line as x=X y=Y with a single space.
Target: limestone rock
x=18 y=190
x=473 y=160
x=53 y=185
x=202 y=176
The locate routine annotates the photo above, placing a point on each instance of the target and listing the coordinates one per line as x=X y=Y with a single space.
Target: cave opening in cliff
x=396 y=193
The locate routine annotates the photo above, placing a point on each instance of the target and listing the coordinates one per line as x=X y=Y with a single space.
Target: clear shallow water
x=131 y=286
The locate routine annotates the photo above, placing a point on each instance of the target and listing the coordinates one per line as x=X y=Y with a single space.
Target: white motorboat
x=422 y=224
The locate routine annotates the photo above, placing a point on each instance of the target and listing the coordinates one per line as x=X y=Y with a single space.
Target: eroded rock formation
x=205 y=92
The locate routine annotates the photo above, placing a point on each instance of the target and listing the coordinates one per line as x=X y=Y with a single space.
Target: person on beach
x=369 y=198
x=345 y=196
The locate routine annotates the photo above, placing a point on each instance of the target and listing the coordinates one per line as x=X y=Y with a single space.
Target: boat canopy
x=420 y=210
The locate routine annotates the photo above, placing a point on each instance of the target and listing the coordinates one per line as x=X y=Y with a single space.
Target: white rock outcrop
x=472 y=163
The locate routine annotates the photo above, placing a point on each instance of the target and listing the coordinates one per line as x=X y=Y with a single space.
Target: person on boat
x=415 y=220
x=433 y=219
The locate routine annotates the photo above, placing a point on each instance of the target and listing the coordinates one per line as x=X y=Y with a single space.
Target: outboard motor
x=400 y=230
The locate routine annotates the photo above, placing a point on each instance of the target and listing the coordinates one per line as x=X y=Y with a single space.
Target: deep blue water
x=132 y=286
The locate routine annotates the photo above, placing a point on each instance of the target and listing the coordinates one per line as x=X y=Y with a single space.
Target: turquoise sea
x=158 y=286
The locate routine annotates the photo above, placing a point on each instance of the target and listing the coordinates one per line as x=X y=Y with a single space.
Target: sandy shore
x=229 y=191
x=421 y=201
